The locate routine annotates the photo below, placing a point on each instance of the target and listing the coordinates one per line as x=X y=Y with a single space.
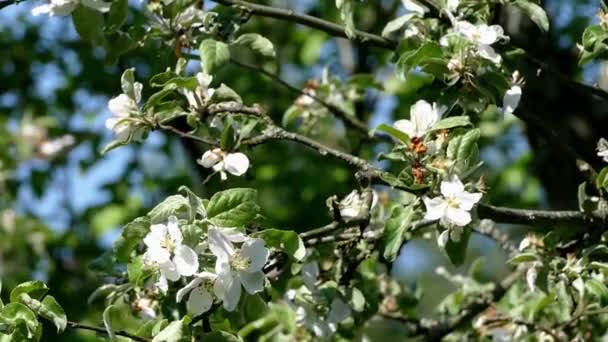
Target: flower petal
x=121 y=105
x=210 y=158
x=511 y=99
x=435 y=208
x=186 y=289
x=451 y=187
x=186 y=260
x=174 y=232
x=219 y=244
x=252 y=282
x=228 y=289
x=487 y=52
x=466 y=200
x=157 y=254
x=257 y=253
x=407 y=127
x=458 y=216
x=200 y=301
x=236 y=163
x=169 y=271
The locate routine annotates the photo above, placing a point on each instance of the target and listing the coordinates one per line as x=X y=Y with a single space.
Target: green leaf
x=284 y=240
x=396 y=24
x=110 y=315
x=176 y=205
x=176 y=331
x=220 y=336
x=117 y=15
x=457 y=250
x=523 y=257
x=536 y=13
x=23 y=320
x=112 y=145
x=35 y=289
x=151 y=328
x=127 y=82
x=395 y=230
x=463 y=149
x=132 y=235
x=196 y=205
x=451 y=122
x=89 y=23
x=214 y=55
x=404 y=138
x=228 y=139
x=597 y=288
x=156 y=98
x=233 y=208
x=224 y=93
x=169 y=77
x=347 y=15
x=601 y=181
x=563 y=301
x=52 y=311
x=257 y=43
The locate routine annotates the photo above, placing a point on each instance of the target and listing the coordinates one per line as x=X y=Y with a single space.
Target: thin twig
x=310 y=21
x=348 y=118
x=188 y=135
x=81 y=326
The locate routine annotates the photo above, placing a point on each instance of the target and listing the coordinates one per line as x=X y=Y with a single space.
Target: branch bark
x=81 y=326
x=310 y=21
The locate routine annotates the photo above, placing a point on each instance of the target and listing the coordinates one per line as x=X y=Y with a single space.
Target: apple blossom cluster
x=126 y=121
x=239 y=261
x=602 y=149
x=200 y=96
x=45 y=146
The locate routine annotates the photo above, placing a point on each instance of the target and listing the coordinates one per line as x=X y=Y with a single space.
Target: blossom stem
x=81 y=326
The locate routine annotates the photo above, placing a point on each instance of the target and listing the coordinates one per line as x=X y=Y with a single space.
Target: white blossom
x=415 y=7
x=236 y=266
x=511 y=99
x=423 y=116
x=532 y=274
x=145 y=308
x=453 y=207
x=222 y=162
x=66 y=7
x=52 y=148
x=602 y=149
x=32 y=133
x=483 y=36
x=452 y=5
x=200 y=299
x=165 y=248
x=122 y=108
x=198 y=97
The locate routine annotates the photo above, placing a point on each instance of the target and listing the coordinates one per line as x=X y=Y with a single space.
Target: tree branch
x=81 y=326
x=533 y=217
x=348 y=119
x=314 y=22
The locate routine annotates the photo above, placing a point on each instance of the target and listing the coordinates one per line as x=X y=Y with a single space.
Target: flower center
x=453 y=202
x=168 y=244
x=240 y=263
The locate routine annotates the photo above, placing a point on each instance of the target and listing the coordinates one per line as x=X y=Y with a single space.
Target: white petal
x=192 y=101
x=442 y=239
x=415 y=6
x=488 y=35
x=458 y=216
x=200 y=301
x=42 y=9
x=349 y=212
x=487 y=52
x=435 y=208
x=162 y=284
x=466 y=29
x=186 y=260
x=511 y=99
x=121 y=105
x=219 y=244
x=256 y=252
x=531 y=276
x=407 y=127
x=252 y=282
x=169 y=271
x=339 y=311
x=233 y=235
x=204 y=80
x=452 y=5
x=228 y=289
x=186 y=289
x=423 y=116
x=97 y=5
x=174 y=233
x=451 y=187
x=158 y=232
x=210 y=158
x=236 y=163
x=466 y=200
x=157 y=254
